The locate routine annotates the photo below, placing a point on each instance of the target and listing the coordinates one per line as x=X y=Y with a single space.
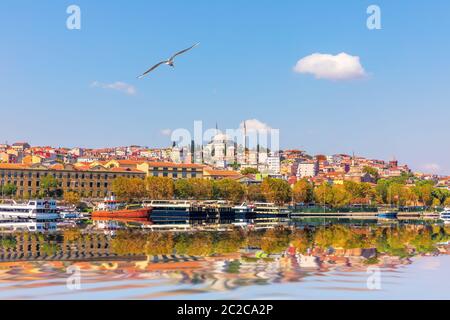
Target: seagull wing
x=183 y=51
x=151 y=69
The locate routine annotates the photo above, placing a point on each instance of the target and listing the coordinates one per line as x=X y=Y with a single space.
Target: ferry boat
x=182 y=212
x=244 y=215
x=269 y=215
x=111 y=208
x=39 y=210
x=445 y=215
x=27 y=225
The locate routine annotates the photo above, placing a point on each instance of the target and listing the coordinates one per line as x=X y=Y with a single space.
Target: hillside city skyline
x=172 y=153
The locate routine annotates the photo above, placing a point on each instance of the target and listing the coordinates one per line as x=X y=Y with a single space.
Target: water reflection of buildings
x=217 y=274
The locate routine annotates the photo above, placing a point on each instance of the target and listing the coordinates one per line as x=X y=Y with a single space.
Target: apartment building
x=88 y=181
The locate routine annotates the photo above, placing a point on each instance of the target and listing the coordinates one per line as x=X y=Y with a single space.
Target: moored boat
x=389 y=214
x=445 y=215
x=111 y=208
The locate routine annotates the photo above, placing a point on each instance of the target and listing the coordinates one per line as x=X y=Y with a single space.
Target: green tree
x=230 y=190
x=184 y=189
x=249 y=171
x=49 y=186
x=372 y=171
x=254 y=193
x=198 y=244
x=8 y=190
x=229 y=242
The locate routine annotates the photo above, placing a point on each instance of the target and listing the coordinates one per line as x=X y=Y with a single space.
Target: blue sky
x=243 y=69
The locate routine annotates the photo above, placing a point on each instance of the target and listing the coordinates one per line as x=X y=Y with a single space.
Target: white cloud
x=331 y=67
x=166 y=132
x=254 y=125
x=432 y=167
x=117 y=86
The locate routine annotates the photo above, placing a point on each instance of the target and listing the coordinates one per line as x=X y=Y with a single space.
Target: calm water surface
x=424 y=277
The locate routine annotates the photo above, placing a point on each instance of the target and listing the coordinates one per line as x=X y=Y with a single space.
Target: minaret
x=245 y=142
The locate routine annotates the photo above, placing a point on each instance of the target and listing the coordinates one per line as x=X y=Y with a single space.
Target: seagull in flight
x=169 y=62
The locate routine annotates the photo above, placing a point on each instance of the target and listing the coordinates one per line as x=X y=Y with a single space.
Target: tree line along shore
x=394 y=191
x=398 y=191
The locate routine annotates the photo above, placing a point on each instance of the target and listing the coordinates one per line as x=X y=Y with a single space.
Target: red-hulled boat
x=110 y=208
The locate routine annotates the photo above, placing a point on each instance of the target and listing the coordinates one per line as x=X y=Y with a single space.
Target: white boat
x=445 y=215
x=244 y=215
x=27 y=225
x=269 y=215
x=70 y=215
x=38 y=210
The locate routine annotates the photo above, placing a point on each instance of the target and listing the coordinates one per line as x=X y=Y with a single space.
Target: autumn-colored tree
x=198 y=244
x=425 y=193
x=276 y=190
x=303 y=191
x=202 y=189
x=397 y=194
x=436 y=202
x=231 y=190
x=72 y=198
x=159 y=244
x=340 y=196
x=128 y=189
x=160 y=188
x=301 y=240
x=323 y=194
x=71 y=235
x=360 y=190
x=447 y=202
x=254 y=193
x=275 y=241
x=127 y=242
